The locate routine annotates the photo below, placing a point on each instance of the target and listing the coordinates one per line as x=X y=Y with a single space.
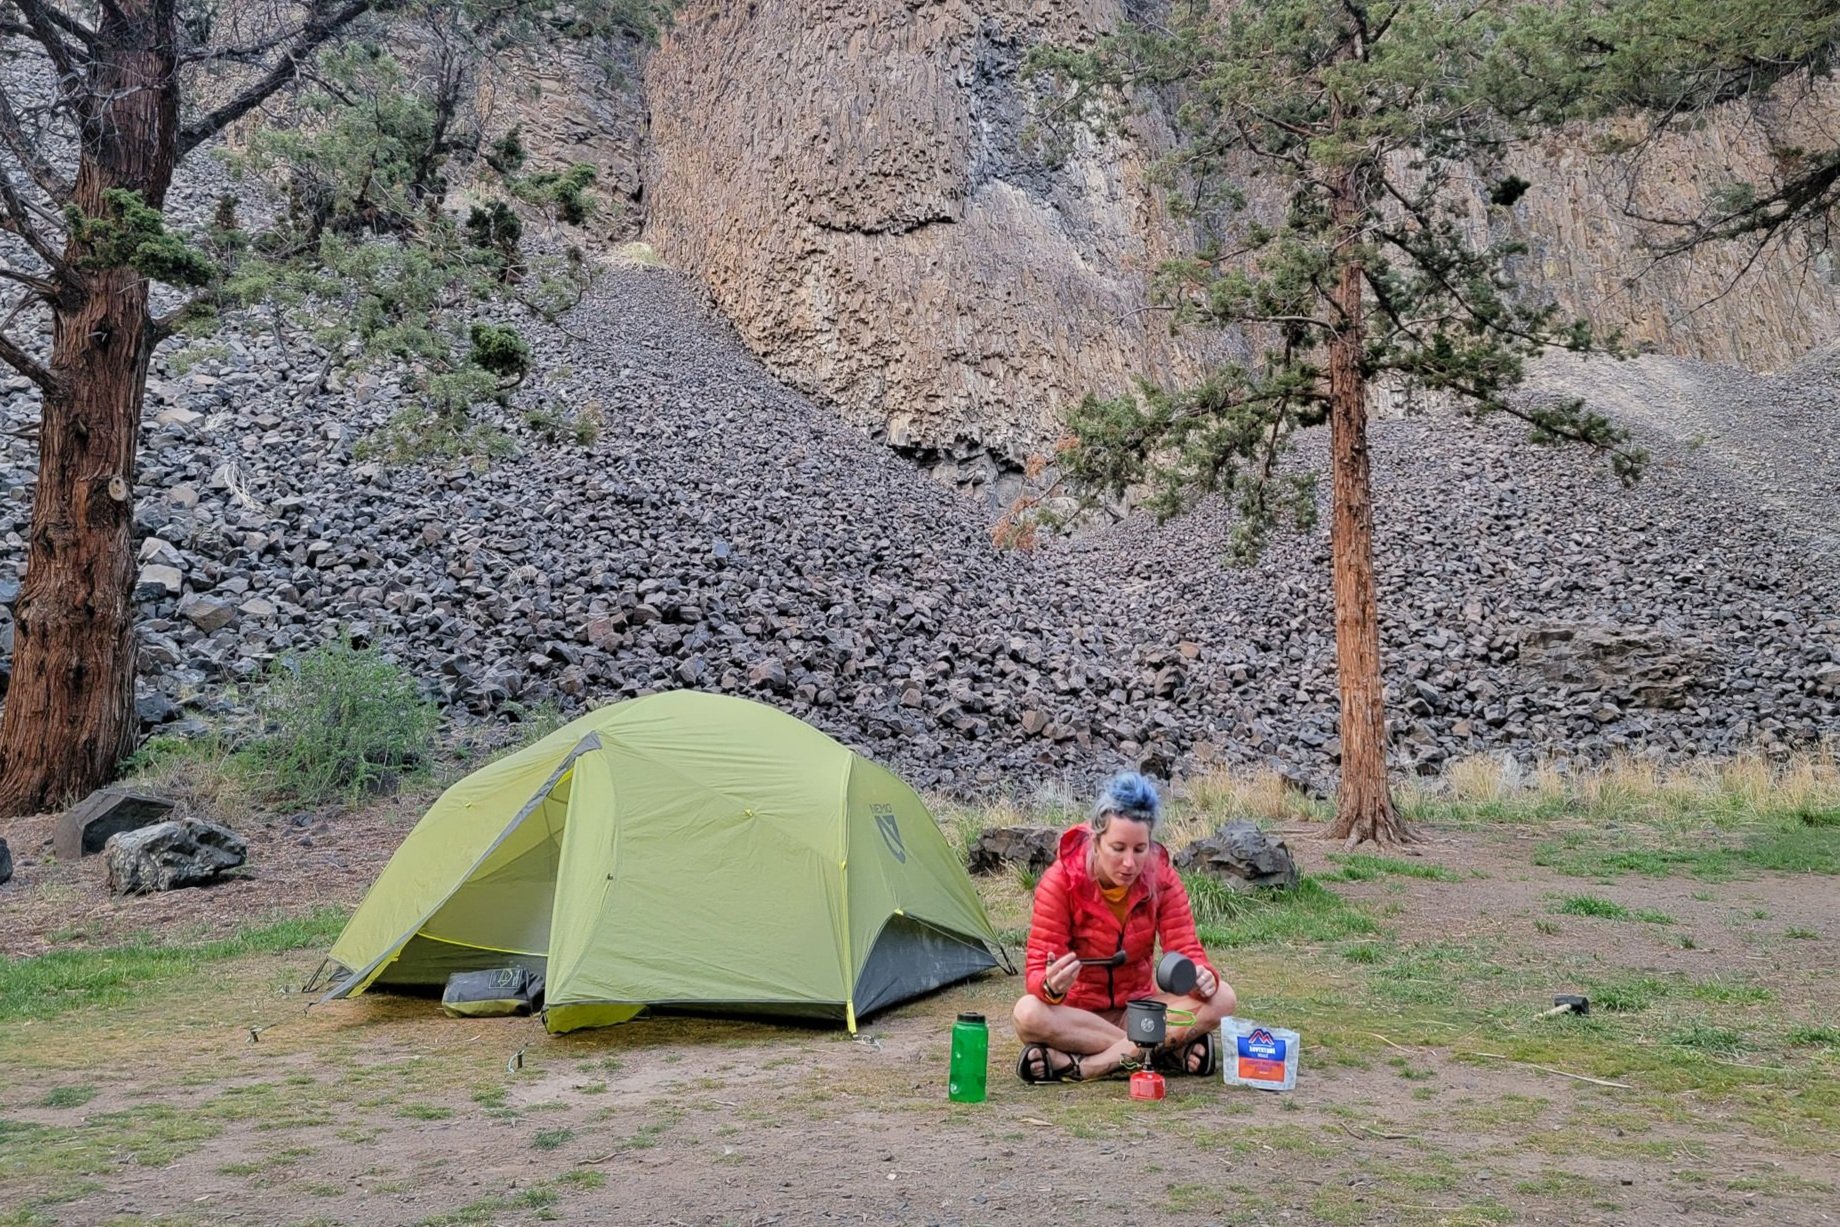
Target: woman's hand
x=1061 y=974
x=1206 y=982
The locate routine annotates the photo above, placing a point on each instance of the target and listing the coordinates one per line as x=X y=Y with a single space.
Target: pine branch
x=27 y=365
x=25 y=300
x=46 y=23
x=244 y=52
x=38 y=285
x=163 y=326
x=52 y=15
x=13 y=137
x=16 y=217
x=313 y=36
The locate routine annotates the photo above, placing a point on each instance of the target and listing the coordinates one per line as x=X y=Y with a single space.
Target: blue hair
x=1128 y=795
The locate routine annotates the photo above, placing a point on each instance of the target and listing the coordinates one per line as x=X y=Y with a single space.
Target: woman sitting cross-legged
x=1099 y=911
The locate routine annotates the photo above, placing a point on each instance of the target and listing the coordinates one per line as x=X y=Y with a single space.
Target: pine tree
x=1319 y=141
x=1667 y=64
x=99 y=106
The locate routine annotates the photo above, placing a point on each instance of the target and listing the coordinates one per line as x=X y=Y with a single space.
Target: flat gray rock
x=169 y=855
x=1241 y=853
x=1031 y=848
x=108 y=811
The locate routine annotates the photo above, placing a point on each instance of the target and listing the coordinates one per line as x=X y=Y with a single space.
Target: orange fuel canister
x=1147 y=1084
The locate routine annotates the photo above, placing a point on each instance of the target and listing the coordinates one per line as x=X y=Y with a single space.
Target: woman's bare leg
x=1099 y=1046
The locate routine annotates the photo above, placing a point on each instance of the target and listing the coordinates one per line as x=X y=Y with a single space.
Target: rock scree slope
x=724 y=532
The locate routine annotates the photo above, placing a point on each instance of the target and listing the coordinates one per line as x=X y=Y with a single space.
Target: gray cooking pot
x=1175 y=973
x=1146 y=1021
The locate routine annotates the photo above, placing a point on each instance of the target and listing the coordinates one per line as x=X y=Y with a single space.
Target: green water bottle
x=970 y=1057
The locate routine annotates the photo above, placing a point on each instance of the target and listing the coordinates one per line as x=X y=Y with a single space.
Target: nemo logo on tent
x=890 y=827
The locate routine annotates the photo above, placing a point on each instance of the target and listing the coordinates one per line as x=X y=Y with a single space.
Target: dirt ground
x=1422 y=1097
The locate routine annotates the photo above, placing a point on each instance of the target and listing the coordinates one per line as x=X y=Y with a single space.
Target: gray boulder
x=1032 y=848
x=168 y=855
x=6 y=863
x=107 y=811
x=1241 y=854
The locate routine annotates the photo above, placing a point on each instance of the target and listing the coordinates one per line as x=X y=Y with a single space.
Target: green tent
x=686 y=850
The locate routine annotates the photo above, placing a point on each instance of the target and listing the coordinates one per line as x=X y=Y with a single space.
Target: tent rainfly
x=682 y=850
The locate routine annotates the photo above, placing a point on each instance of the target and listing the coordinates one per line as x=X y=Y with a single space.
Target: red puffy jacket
x=1071 y=914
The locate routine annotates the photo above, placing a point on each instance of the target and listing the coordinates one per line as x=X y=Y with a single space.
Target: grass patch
x=1361 y=867
x=1780 y=849
x=68 y=1097
x=1705 y=1037
x=581 y=1178
x=495 y=1209
x=340 y=723
x=1592 y=905
x=425 y=1111
x=48 y=985
x=551 y=1139
x=1797 y=933
x=646 y=1136
x=151 y=1136
x=1628 y=996
x=1798 y=849
x=1724 y=992
x=1306 y=912
x=1814 y=1037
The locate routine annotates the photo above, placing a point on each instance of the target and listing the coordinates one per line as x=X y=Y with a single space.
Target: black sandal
x=1177 y=1060
x=1039 y=1057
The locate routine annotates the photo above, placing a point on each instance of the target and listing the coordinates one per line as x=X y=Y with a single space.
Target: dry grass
x=1744 y=791
x=1201 y=804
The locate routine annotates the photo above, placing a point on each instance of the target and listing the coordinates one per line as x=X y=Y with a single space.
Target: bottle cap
x=971 y=1018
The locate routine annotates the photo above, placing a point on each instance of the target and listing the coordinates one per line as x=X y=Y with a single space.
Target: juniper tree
x=101 y=101
x=1319 y=143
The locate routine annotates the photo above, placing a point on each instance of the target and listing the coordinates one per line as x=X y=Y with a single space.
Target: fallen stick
x=1502 y=1056
x=1391 y=1137
x=1387 y=1042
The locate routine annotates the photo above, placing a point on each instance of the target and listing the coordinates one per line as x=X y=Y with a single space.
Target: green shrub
x=496 y=229
x=418 y=434
x=500 y=350
x=506 y=154
x=341 y=722
x=563 y=190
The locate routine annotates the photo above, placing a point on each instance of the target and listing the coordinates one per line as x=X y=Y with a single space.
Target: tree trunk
x=69 y=717
x=1363 y=805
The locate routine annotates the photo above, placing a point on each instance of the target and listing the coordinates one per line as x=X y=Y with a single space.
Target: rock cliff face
x=578 y=103
x=1718 y=305
x=852 y=184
